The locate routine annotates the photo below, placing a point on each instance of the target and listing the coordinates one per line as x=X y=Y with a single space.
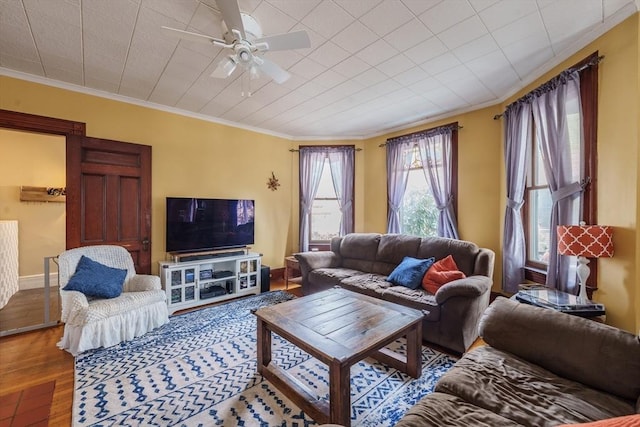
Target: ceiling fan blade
x=273 y=70
x=188 y=35
x=231 y=15
x=293 y=40
x=225 y=67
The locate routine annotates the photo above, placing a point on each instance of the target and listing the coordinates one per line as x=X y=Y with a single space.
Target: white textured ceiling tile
x=456 y=74
x=386 y=17
x=420 y=6
x=505 y=12
x=180 y=10
x=526 y=62
x=329 y=79
x=93 y=81
x=370 y=77
x=583 y=17
x=329 y=54
x=445 y=98
x=411 y=76
x=73 y=76
x=426 y=50
x=307 y=68
x=284 y=58
x=357 y=8
x=440 y=63
x=355 y=37
x=476 y=48
x=442 y=16
x=393 y=66
x=206 y=21
x=377 y=52
x=297 y=9
x=612 y=6
x=426 y=85
x=246 y=6
x=272 y=20
x=351 y=67
x=386 y=87
x=327 y=19
x=408 y=35
x=21 y=64
x=464 y=32
x=480 y=5
x=523 y=28
x=15 y=38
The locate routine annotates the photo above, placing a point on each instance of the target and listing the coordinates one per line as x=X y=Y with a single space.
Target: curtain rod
x=293 y=150
x=421 y=131
x=582 y=67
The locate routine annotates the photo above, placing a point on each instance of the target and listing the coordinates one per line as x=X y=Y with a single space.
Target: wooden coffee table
x=339 y=328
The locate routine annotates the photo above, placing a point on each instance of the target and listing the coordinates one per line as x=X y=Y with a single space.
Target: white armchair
x=92 y=323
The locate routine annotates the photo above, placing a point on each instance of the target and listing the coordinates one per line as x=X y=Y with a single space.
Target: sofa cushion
x=463 y=252
x=440 y=409
x=440 y=273
x=410 y=271
x=363 y=246
x=526 y=393
x=96 y=280
x=329 y=277
x=573 y=345
x=394 y=247
x=366 y=283
x=414 y=298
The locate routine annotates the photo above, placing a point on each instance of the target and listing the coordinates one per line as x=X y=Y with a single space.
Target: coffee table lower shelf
x=338 y=328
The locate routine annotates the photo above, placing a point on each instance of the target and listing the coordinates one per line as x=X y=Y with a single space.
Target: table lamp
x=585 y=241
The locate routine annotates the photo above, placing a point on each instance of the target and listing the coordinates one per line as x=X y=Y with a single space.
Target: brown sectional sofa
x=361 y=262
x=539 y=368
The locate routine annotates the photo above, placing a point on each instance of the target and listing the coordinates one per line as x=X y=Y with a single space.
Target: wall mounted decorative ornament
x=272 y=183
x=43 y=194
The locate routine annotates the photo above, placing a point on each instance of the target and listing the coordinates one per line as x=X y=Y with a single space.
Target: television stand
x=209 y=278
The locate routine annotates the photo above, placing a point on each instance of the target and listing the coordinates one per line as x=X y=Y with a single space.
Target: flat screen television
x=196 y=224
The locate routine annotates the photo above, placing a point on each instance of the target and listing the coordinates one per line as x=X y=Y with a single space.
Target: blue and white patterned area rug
x=200 y=370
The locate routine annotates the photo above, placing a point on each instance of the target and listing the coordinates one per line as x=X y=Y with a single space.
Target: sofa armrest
x=471 y=287
x=316 y=259
x=72 y=302
x=143 y=282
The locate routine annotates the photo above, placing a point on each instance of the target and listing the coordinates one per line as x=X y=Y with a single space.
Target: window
x=326 y=194
x=418 y=212
x=422 y=182
x=325 y=210
x=537 y=202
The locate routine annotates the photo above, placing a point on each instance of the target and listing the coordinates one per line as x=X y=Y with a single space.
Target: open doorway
x=31 y=162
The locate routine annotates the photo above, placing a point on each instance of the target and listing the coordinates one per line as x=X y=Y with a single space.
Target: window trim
x=536 y=272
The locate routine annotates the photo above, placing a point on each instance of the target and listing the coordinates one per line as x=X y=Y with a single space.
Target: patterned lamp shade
x=589 y=241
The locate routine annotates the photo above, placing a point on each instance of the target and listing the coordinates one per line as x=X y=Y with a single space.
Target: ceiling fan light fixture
x=253 y=72
x=229 y=65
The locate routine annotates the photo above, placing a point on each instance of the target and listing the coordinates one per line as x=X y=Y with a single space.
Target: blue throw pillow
x=96 y=280
x=410 y=272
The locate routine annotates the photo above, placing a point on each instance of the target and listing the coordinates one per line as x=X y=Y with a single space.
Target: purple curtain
x=342 y=164
x=311 y=164
x=397 y=177
x=517 y=137
x=435 y=153
x=550 y=110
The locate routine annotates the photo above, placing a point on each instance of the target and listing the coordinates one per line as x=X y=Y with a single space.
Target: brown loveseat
x=541 y=368
x=361 y=262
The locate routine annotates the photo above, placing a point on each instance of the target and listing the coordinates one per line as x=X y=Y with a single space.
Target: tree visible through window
x=418 y=213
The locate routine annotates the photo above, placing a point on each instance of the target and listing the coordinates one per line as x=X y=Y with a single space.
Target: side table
x=291 y=271
x=559 y=301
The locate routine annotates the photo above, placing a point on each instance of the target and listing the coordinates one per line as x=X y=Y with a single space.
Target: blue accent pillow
x=410 y=272
x=96 y=280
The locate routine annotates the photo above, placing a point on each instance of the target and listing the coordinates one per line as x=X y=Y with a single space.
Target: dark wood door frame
x=46 y=125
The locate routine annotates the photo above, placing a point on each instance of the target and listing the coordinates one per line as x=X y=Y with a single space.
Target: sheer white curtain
x=565 y=177
x=517 y=137
x=311 y=164
x=342 y=164
x=435 y=152
x=398 y=161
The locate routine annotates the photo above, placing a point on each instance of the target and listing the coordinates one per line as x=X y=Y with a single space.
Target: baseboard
x=36 y=281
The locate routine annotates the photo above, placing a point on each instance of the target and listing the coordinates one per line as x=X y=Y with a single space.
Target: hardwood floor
x=32 y=358
x=26 y=308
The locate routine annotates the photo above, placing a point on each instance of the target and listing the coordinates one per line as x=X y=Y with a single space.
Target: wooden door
x=109 y=196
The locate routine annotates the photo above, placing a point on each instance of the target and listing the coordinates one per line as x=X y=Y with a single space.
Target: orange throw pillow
x=440 y=273
x=625 y=421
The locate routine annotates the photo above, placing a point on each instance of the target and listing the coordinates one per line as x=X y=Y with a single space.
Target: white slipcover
x=91 y=322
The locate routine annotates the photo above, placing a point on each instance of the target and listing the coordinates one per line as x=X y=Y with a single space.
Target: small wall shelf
x=42 y=194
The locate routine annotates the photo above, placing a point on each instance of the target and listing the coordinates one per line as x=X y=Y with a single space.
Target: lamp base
x=583 y=274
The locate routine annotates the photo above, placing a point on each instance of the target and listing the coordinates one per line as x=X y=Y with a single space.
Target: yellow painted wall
x=31 y=159
x=479 y=191
x=190 y=157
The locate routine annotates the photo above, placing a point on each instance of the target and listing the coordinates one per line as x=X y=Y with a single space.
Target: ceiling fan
x=243 y=36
